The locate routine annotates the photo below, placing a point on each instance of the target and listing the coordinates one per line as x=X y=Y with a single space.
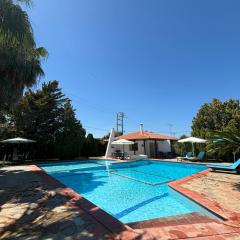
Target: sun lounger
x=199 y=157
x=188 y=156
x=226 y=167
x=138 y=157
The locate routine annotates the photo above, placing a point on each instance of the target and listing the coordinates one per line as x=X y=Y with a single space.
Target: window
x=133 y=147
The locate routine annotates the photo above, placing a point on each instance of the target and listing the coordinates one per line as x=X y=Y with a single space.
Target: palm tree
x=20 y=59
x=225 y=142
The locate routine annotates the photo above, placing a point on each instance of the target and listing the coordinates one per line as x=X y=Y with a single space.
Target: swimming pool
x=71 y=165
x=130 y=192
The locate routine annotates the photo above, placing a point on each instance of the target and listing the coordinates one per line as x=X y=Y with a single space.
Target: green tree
x=216 y=116
x=20 y=59
x=90 y=146
x=70 y=139
x=225 y=142
x=181 y=148
x=40 y=116
x=7 y=126
x=101 y=147
x=48 y=117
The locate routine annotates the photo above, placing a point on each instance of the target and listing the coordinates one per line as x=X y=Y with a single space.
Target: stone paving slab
x=221 y=187
x=31 y=208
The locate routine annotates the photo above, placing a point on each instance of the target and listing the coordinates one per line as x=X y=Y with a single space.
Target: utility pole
x=120 y=117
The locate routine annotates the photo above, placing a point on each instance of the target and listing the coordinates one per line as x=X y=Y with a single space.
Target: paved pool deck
x=35 y=206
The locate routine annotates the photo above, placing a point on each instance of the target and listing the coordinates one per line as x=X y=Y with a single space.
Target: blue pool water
x=62 y=166
x=130 y=192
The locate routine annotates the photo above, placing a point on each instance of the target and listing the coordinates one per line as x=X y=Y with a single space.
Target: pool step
x=189 y=218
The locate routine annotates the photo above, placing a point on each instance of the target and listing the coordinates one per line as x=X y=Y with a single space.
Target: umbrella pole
x=193 y=149
x=123 y=151
x=4 y=159
x=18 y=151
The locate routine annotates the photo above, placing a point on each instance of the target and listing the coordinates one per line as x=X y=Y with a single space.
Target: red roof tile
x=145 y=135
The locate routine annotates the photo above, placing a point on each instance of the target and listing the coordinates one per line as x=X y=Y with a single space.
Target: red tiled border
x=183 y=219
x=122 y=231
x=109 y=222
x=203 y=200
x=227 y=236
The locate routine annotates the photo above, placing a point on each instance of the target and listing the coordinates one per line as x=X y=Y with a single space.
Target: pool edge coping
x=112 y=224
x=175 y=185
x=115 y=226
x=202 y=200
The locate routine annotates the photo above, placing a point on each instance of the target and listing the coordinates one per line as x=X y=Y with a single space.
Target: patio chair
x=199 y=157
x=124 y=156
x=187 y=156
x=226 y=167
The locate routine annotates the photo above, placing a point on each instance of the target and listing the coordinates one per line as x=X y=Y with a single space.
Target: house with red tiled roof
x=148 y=143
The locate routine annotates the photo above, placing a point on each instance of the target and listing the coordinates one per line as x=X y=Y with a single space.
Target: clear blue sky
x=157 y=61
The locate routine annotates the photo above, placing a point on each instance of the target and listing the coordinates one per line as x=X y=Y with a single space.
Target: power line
x=170 y=128
x=159 y=131
x=97 y=128
x=83 y=101
x=102 y=129
x=103 y=109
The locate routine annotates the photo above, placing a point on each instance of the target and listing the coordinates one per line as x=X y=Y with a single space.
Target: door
x=152 y=149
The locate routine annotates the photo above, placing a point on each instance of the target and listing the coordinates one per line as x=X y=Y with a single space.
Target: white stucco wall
x=162 y=146
x=127 y=147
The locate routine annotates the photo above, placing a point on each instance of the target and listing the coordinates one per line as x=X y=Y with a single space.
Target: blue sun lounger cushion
x=226 y=167
x=188 y=155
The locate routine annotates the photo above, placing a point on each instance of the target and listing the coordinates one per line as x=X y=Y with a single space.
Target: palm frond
x=225 y=141
x=20 y=59
x=27 y=2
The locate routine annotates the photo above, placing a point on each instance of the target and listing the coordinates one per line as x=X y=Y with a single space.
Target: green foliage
x=101 y=147
x=70 y=140
x=20 y=59
x=7 y=127
x=47 y=117
x=181 y=148
x=225 y=142
x=93 y=147
x=217 y=118
x=106 y=136
x=90 y=146
x=116 y=134
x=27 y=2
x=39 y=115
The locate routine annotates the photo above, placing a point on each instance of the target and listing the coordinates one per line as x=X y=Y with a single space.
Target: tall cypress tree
x=90 y=146
x=48 y=117
x=70 y=139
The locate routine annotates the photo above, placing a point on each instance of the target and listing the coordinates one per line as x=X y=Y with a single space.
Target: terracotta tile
x=194 y=226
x=205 y=229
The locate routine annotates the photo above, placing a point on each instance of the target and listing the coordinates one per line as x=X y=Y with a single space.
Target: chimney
x=141 y=127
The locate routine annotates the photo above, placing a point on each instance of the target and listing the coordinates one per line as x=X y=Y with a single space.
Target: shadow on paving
x=31 y=208
x=237 y=186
